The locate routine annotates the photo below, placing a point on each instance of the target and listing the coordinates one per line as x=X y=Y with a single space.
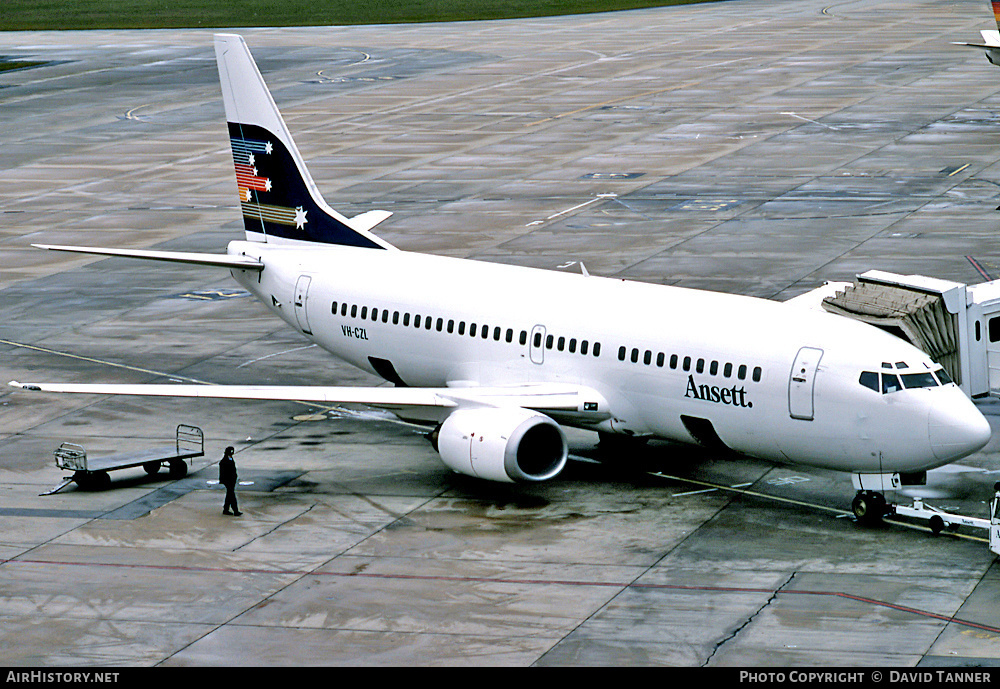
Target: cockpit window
x=890 y=383
x=919 y=380
x=870 y=380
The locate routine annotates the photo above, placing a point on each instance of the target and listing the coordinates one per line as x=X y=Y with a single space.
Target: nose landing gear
x=869 y=507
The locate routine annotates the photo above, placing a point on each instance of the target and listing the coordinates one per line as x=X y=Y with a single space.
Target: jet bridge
x=958 y=325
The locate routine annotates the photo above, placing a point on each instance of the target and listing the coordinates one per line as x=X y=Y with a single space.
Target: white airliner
x=991 y=37
x=496 y=359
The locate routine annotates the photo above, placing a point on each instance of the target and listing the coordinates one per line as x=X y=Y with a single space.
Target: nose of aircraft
x=957 y=429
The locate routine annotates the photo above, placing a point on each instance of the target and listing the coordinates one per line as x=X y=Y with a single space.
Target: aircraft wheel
x=868 y=507
x=613 y=445
x=151 y=467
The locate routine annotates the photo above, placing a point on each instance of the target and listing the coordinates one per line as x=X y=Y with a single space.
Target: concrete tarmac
x=752 y=146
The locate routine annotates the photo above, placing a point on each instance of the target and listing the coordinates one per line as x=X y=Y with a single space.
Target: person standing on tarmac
x=228 y=477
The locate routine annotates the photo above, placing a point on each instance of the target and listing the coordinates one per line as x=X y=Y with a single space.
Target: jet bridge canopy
x=957 y=325
x=915 y=308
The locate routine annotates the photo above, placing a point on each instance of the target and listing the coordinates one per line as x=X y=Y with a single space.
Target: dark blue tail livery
x=273 y=196
x=278 y=198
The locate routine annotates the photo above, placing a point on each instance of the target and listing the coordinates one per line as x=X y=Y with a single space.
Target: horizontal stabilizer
x=218 y=260
x=367 y=221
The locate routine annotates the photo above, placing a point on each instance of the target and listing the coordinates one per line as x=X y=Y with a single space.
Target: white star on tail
x=300 y=218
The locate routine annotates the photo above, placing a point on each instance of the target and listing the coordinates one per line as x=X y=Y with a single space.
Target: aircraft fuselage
x=762 y=378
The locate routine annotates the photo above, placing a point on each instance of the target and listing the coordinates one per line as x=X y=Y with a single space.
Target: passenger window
x=597 y=349
x=461 y=327
x=364 y=312
x=687 y=363
x=699 y=367
x=395 y=317
x=742 y=372
x=333 y=309
x=385 y=315
x=659 y=359
x=713 y=368
x=510 y=335
x=496 y=333
x=572 y=345
x=635 y=355
x=524 y=337
x=757 y=372
x=549 y=339
x=673 y=361
x=727 y=370
x=429 y=322
x=584 y=347
x=890 y=383
x=538 y=339
x=440 y=324
x=472 y=330
x=343 y=309
x=870 y=380
x=406 y=319
x=561 y=343
x=486 y=331
x=451 y=325
x=374 y=314
x=621 y=354
x=416 y=321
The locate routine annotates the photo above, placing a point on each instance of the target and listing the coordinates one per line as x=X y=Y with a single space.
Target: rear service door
x=301 y=295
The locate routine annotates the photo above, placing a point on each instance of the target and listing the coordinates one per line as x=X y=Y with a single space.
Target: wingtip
x=24 y=386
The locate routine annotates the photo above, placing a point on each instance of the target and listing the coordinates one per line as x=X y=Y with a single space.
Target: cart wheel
x=92 y=480
x=178 y=469
x=102 y=480
x=937 y=524
x=152 y=467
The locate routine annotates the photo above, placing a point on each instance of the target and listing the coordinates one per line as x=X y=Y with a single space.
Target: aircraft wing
x=421 y=403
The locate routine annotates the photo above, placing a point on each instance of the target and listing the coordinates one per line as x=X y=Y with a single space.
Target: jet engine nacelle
x=499 y=444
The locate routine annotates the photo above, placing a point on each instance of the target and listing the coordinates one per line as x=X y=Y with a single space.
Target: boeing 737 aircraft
x=497 y=359
x=991 y=38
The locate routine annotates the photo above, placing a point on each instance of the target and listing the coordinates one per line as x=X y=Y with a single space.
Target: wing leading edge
x=425 y=403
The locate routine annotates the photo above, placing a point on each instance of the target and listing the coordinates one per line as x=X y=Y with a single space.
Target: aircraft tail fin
x=279 y=199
